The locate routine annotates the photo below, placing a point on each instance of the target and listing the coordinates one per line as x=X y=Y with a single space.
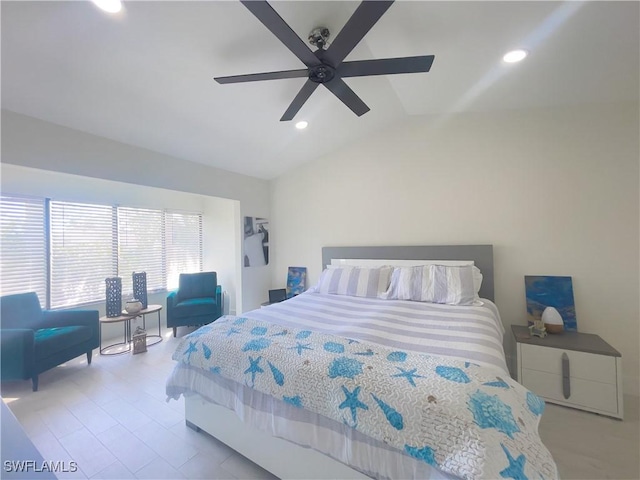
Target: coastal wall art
x=544 y=291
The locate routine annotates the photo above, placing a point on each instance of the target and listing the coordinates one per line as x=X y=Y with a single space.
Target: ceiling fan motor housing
x=319 y=37
x=321 y=73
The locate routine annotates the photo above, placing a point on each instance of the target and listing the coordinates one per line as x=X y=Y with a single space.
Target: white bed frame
x=284 y=459
x=287 y=460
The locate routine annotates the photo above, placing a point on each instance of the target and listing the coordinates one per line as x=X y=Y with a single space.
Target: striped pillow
x=355 y=281
x=434 y=284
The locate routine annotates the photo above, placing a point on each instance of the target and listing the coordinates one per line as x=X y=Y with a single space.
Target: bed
x=336 y=385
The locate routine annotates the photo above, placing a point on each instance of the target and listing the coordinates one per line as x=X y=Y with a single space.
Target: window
x=64 y=251
x=140 y=247
x=83 y=252
x=23 y=251
x=183 y=245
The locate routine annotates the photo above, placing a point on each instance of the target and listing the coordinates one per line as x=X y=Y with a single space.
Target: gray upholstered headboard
x=482 y=255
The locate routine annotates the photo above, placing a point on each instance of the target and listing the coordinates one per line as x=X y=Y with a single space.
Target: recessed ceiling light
x=111 y=6
x=302 y=125
x=515 y=56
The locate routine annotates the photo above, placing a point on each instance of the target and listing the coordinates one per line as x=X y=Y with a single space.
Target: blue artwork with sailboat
x=544 y=291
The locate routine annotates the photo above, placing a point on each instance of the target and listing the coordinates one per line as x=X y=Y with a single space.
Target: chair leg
x=34 y=382
x=89 y=356
x=174 y=332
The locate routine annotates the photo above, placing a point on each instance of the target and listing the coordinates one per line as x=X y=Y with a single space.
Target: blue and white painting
x=296 y=281
x=544 y=291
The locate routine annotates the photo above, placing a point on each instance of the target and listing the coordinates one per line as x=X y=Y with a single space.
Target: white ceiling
x=145 y=76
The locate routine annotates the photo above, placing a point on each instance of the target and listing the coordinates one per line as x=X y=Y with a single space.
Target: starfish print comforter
x=459 y=417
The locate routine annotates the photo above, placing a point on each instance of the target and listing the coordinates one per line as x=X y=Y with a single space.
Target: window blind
x=140 y=242
x=83 y=252
x=64 y=251
x=183 y=244
x=23 y=246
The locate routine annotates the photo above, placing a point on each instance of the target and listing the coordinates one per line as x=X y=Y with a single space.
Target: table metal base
x=123 y=347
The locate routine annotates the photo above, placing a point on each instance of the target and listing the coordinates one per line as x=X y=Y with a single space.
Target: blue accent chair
x=35 y=340
x=197 y=301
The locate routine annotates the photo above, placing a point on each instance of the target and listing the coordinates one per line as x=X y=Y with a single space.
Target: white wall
x=222 y=246
x=30 y=142
x=555 y=191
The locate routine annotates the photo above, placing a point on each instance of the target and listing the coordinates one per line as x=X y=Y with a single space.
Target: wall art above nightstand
x=543 y=291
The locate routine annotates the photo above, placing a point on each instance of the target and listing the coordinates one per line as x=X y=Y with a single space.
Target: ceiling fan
x=326 y=66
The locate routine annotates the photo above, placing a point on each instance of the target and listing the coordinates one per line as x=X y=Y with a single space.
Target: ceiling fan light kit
x=325 y=65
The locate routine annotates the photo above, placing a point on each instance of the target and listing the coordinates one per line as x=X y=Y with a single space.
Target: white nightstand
x=577 y=370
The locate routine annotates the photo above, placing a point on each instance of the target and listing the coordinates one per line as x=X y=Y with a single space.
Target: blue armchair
x=197 y=301
x=35 y=340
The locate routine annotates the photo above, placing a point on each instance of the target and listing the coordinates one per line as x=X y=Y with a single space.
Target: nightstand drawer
x=593 y=369
x=586 y=366
x=592 y=395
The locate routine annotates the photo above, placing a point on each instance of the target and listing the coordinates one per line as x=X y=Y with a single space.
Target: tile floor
x=112 y=419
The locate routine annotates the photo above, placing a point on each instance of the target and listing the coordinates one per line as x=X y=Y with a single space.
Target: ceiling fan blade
x=303 y=95
x=348 y=96
x=365 y=17
x=385 y=66
x=274 y=22
x=254 y=77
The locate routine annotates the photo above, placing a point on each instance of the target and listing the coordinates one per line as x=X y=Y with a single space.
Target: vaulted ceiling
x=144 y=76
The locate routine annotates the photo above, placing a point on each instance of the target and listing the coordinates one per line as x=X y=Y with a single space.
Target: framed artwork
x=296 y=281
x=544 y=291
x=256 y=241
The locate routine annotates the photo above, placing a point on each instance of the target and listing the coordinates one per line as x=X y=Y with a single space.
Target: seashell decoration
x=552 y=320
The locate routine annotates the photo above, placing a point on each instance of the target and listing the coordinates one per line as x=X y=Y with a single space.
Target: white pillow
x=371 y=263
x=355 y=281
x=434 y=284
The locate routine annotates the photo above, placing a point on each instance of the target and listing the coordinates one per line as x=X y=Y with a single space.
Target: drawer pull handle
x=566 y=373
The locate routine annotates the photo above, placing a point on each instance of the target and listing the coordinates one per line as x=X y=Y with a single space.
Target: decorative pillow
x=406 y=283
x=355 y=281
x=434 y=284
x=477 y=283
x=452 y=285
